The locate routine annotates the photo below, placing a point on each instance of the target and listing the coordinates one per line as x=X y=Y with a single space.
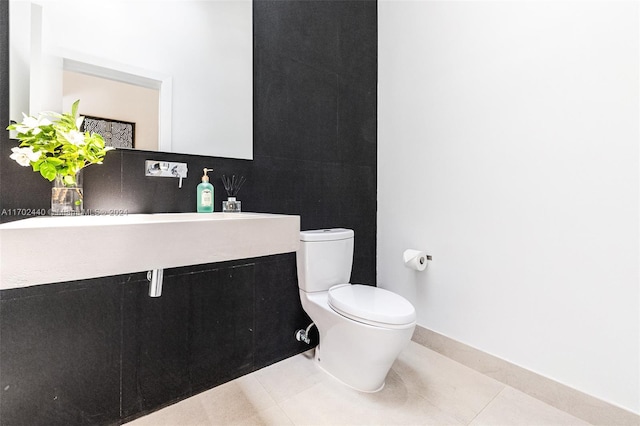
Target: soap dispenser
x=205 y=194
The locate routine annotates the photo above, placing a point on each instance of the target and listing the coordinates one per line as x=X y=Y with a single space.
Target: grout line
x=122 y=296
x=482 y=410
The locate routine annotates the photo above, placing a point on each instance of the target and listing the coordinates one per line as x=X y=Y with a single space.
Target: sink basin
x=45 y=250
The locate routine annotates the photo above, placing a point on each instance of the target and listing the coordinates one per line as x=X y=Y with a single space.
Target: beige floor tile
x=273 y=416
x=290 y=376
x=188 y=412
x=332 y=403
x=236 y=401
x=422 y=388
x=514 y=408
x=452 y=387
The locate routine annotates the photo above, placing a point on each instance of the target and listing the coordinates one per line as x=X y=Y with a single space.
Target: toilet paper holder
x=416 y=259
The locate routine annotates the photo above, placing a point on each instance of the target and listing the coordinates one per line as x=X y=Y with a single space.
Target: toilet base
x=357 y=354
x=319 y=364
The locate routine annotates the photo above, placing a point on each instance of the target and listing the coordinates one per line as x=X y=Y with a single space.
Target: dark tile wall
x=101 y=351
x=60 y=353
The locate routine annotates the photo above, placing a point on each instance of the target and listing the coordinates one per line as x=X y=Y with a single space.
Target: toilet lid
x=371 y=304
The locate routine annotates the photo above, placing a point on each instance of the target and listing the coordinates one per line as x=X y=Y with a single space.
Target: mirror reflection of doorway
x=117 y=101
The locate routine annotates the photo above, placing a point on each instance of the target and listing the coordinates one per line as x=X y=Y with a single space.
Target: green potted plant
x=52 y=144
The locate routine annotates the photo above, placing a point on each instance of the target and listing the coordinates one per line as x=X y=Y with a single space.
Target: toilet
x=362 y=328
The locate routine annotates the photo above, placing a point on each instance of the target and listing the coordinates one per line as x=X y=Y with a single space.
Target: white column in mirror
x=35 y=77
x=19 y=58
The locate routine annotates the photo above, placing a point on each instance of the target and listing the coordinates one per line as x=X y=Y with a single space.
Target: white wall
x=508 y=147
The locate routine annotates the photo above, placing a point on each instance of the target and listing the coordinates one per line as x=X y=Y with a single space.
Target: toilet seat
x=371 y=305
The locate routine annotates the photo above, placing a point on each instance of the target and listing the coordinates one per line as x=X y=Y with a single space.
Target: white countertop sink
x=45 y=250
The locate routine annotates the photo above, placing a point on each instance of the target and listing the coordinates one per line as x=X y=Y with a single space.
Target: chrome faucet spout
x=166 y=169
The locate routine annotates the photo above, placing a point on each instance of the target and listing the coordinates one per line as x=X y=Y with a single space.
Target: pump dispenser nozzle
x=205 y=177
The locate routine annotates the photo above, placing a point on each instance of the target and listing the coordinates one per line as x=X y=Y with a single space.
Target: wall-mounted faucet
x=166 y=169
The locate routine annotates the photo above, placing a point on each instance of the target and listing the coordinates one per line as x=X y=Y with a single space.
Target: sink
x=97 y=246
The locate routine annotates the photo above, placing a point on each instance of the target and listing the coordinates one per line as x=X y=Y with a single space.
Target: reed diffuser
x=232 y=186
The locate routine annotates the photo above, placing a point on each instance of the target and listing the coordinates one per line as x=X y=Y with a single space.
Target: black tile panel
x=221 y=325
x=156 y=345
x=295 y=109
x=60 y=353
x=359 y=213
x=357 y=124
x=22 y=190
x=310 y=189
x=304 y=31
x=357 y=50
x=147 y=194
x=102 y=185
x=279 y=312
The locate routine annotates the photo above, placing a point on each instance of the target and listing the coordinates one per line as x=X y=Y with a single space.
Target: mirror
x=195 y=58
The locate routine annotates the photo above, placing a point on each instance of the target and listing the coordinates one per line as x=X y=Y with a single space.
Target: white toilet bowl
x=362 y=331
x=362 y=328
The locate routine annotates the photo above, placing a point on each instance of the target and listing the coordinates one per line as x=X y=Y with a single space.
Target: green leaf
x=36 y=165
x=48 y=171
x=55 y=161
x=74 y=111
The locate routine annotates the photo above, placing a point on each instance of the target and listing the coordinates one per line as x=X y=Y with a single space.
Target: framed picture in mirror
x=116 y=133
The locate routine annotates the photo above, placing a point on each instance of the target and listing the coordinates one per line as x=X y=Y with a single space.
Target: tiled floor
x=423 y=388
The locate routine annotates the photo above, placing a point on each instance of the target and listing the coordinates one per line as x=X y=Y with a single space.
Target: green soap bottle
x=205 y=194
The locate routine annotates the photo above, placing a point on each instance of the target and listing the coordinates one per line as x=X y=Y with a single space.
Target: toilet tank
x=324 y=258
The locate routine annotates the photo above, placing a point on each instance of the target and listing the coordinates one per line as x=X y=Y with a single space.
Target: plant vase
x=67 y=199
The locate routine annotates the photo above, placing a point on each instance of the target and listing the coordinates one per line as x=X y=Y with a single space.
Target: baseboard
x=572 y=401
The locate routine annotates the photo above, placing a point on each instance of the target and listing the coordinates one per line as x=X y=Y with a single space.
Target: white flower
x=32 y=124
x=74 y=137
x=24 y=156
